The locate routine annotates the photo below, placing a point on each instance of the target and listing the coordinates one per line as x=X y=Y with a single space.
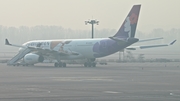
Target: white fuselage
x=84 y=47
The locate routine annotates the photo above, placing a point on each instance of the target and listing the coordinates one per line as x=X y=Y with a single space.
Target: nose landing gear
x=59 y=64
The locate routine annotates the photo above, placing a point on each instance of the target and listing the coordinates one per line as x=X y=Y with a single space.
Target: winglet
x=7 y=42
x=172 y=42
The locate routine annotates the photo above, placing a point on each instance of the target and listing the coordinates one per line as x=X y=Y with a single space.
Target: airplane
x=37 y=51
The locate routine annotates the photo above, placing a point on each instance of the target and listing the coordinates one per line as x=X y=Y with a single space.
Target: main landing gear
x=90 y=63
x=59 y=64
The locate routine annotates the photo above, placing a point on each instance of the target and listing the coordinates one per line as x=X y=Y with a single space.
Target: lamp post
x=92 y=22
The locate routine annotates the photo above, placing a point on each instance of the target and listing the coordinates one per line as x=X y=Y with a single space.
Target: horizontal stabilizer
x=118 y=39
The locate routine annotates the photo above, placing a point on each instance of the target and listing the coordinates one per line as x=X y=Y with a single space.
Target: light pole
x=92 y=22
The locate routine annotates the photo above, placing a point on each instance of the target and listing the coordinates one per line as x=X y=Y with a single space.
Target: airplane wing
x=7 y=43
x=42 y=50
x=141 y=40
x=151 y=39
x=149 y=46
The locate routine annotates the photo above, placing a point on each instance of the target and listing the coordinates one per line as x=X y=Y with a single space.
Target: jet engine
x=33 y=58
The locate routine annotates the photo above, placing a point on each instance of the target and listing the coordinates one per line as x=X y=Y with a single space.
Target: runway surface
x=113 y=82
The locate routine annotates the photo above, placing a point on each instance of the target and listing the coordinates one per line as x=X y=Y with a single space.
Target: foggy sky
x=163 y=14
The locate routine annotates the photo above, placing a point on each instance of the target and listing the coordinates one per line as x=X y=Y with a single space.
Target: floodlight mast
x=92 y=22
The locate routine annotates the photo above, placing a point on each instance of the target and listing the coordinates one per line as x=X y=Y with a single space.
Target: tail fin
x=128 y=28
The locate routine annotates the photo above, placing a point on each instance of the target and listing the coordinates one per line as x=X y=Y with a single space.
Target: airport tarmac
x=112 y=82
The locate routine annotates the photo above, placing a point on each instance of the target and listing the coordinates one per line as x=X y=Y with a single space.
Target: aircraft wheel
x=64 y=64
x=17 y=64
x=56 y=64
x=85 y=64
x=89 y=65
x=94 y=64
x=60 y=64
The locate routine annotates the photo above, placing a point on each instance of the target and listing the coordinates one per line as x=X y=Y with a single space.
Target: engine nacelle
x=33 y=58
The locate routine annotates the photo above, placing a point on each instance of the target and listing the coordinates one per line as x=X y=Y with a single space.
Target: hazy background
x=24 y=20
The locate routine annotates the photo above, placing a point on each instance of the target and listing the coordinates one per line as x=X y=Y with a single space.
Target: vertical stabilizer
x=128 y=28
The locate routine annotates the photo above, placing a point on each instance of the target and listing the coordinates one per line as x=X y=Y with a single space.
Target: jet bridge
x=18 y=57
